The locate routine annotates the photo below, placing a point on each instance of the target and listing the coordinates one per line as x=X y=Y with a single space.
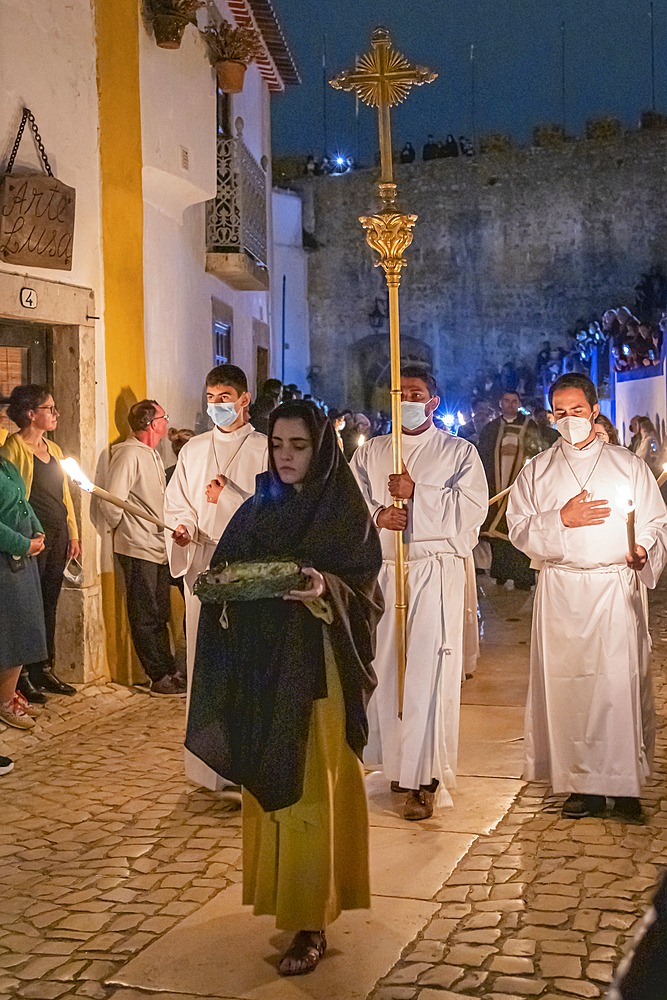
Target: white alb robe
x=589 y=716
x=239 y=456
x=449 y=504
x=470 y=621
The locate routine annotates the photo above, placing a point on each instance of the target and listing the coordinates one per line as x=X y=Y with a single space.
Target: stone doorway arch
x=370 y=372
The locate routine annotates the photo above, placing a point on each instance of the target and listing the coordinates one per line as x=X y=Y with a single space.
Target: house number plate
x=28 y=298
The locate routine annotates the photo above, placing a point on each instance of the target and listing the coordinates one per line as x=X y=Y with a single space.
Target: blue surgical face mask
x=222 y=414
x=413 y=415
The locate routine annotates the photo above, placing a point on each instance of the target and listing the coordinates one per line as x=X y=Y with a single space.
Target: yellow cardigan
x=16 y=450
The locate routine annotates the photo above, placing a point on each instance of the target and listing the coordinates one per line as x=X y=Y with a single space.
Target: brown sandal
x=306 y=949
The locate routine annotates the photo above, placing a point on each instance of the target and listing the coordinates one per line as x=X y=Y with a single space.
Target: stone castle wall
x=509 y=250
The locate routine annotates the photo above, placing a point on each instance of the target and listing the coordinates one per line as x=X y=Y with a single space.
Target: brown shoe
x=419 y=804
x=167 y=685
x=398 y=788
x=304 y=953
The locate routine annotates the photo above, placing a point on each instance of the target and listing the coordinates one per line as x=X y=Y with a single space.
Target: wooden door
x=25 y=357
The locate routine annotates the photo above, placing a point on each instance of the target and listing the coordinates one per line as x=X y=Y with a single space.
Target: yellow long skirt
x=306 y=863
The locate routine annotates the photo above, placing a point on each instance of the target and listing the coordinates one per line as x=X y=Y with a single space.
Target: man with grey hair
x=136 y=473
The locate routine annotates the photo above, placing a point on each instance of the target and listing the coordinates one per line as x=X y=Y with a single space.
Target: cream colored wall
x=178 y=109
x=47 y=62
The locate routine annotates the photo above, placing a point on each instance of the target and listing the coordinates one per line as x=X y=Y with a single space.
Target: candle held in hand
x=72 y=469
x=627 y=505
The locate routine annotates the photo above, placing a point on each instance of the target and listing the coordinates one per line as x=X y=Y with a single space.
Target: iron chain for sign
x=29 y=117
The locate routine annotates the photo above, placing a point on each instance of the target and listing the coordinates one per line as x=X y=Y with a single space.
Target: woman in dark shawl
x=280 y=686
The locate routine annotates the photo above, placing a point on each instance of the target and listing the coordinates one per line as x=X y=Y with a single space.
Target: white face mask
x=222 y=414
x=574 y=429
x=413 y=415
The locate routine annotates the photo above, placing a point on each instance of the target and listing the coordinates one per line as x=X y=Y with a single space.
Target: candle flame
x=76 y=475
x=362 y=439
x=624 y=499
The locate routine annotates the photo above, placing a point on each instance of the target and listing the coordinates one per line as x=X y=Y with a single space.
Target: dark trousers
x=508 y=563
x=50 y=565
x=149 y=609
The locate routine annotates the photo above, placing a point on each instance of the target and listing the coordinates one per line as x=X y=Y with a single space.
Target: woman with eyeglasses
x=38 y=461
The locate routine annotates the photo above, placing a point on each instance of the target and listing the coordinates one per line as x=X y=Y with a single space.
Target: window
x=222 y=343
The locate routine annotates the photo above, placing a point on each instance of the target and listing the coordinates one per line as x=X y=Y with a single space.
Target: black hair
x=23 y=398
x=416 y=371
x=272 y=387
x=228 y=375
x=574 y=380
x=511 y=392
x=298 y=409
x=142 y=415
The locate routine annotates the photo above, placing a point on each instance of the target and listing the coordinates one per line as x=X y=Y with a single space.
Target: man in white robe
x=589 y=716
x=214 y=475
x=446 y=496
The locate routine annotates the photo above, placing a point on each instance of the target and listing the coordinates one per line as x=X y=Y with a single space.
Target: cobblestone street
x=106 y=851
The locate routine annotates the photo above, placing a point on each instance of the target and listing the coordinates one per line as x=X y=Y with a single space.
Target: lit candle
x=663 y=475
x=71 y=467
x=362 y=439
x=627 y=505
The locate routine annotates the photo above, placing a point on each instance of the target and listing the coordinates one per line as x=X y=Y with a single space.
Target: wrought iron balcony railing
x=236 y=217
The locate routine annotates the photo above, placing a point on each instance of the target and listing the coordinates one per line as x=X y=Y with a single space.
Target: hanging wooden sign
x=36 y=221
x=36 y=213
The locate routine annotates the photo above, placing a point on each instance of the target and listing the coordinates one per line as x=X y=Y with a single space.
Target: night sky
x=518 y=67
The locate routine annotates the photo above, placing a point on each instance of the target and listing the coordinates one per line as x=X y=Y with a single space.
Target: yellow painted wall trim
x=117 y=27
x=117 y=35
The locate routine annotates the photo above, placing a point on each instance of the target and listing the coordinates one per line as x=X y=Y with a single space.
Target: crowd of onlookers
x=433 y=149
x=633 y=343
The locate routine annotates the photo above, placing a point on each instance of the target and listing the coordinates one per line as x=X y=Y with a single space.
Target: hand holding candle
x=72 y=469
x=636 y=555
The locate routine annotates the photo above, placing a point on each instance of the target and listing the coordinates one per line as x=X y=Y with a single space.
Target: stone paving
x=544 y=907
x=104 y=848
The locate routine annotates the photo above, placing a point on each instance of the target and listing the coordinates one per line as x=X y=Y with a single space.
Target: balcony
x=236 y=241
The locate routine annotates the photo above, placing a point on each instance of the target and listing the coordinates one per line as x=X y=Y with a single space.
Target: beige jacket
x=136 y=473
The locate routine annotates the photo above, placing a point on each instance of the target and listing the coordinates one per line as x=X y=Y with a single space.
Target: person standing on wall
x=38 y=461
x=504 y=444
x=215 y=474
x=136 y=473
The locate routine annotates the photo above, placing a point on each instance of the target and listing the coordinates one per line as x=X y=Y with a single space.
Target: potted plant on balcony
x=231 y=50
x=170 y=19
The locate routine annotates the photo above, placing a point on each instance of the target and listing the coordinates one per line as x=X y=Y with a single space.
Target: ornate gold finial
x=389 y=234
x=383 y=76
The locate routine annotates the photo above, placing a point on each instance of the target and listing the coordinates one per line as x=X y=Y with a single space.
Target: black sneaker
x=6 y=765
x=578 y=806
x=628 y=810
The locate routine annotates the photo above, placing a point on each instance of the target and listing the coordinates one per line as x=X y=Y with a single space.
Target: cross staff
x=382 y=78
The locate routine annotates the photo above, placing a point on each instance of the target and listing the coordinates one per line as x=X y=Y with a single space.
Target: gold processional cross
x=382 y=78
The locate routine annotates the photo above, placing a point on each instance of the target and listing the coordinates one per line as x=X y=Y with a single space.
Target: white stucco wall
x=179 y=110
x=47 y=63
x=645 y=397
x=290 y=262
